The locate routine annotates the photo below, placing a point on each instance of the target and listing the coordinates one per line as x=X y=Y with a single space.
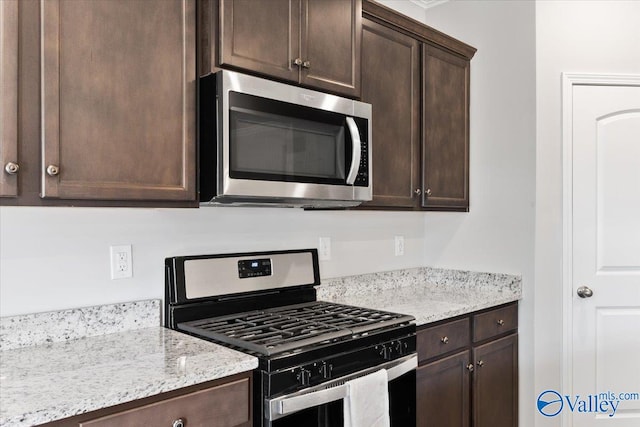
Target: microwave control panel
x=362 y=179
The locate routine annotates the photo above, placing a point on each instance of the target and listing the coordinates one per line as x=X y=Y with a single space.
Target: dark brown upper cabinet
x=417 y=80
x=118 y=100
x=106 y=95
x=445 y=152
x=313 y=43
x=9 y=98
x=391 y=84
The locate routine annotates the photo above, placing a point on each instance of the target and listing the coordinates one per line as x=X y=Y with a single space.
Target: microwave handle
x=356 y=150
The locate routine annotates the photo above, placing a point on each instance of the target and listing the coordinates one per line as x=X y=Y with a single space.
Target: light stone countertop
x=59 y=364
x=57 y=380
x=428 y=294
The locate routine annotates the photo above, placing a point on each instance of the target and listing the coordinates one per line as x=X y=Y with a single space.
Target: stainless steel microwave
x=263 y=143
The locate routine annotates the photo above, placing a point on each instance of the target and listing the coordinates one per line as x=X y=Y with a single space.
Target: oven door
x=322 y=405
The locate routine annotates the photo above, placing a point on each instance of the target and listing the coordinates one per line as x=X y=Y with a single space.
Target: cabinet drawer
x=495 y=322
x=223 y=406
x=437 y=340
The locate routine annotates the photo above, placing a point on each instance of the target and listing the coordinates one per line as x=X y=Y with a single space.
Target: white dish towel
x=367 y=401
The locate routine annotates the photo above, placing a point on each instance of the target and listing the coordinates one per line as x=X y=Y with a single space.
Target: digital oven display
x=254 y=268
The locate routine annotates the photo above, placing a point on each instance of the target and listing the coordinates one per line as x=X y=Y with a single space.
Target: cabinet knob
x=480 y=363
x=500 y=322
x=444 y=340
x=178 y=423
x=417 y=191
x=428 y=192
x=297 y=62
x=306 y=64
x=470 y=367
x=53 y=170
x=11 y=168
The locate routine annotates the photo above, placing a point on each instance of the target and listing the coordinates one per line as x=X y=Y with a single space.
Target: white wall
x=55 y=258
x=498 y=233
x=571 y=36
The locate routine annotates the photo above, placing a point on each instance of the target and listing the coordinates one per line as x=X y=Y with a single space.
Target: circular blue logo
x=550 y=403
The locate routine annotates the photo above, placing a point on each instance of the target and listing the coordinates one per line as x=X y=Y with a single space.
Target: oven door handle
x=332 y=390
x=356 y=152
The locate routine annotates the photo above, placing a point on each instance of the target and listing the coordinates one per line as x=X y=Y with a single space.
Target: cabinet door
x=442 y=392
x=446 y=130
x=391 y=84
x=330 y=45
x=9 y=97
x=118 y=99
x=495 y=383
x=261 y=36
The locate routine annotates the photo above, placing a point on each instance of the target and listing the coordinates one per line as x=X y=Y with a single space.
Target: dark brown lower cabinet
x=468 y=376
x=495 y=383
x=443 y=392
x=222 y=403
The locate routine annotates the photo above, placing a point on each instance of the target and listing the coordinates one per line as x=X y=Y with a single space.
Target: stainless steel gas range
x=310 y=352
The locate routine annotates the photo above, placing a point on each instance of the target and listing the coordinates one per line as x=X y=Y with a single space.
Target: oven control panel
x=339 y=365
x=254 y=268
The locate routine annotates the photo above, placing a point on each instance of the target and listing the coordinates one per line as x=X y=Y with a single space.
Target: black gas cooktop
x=294 y=328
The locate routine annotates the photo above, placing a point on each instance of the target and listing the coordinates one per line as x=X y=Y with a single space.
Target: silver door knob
x=178 y=423
x=11 y=168
x=297 y=62
x=417 y=191
x=444 y=340
x=584 y=292
x=306 y=64
x=53 y=170
x=470 y=367
x=428 y=191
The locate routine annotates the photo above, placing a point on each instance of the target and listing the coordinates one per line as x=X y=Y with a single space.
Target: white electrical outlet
x=324 y=248
x=121 y=262
x=399 y=245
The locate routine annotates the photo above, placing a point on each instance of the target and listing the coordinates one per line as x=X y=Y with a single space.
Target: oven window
x=272 y=140
x=327 y=415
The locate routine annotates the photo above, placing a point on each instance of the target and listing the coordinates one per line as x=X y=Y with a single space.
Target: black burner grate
x=293 y=327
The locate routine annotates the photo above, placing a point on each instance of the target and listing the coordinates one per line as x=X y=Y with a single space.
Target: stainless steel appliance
x=264 y=142
x=264 y=303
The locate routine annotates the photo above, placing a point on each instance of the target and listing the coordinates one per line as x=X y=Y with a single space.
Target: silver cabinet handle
x=584 y=292
x=470 y=367
x=306 y=64
x=428 y=191
x=11 y=168
x=500 y=322
x=297 y=62
x=178 y=423
x=480 y=363
x=417 y=191
x=356 y=152
x=53 y=170
x=444 y=340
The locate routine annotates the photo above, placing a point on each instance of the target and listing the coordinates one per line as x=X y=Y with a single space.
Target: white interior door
x=605 y=256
